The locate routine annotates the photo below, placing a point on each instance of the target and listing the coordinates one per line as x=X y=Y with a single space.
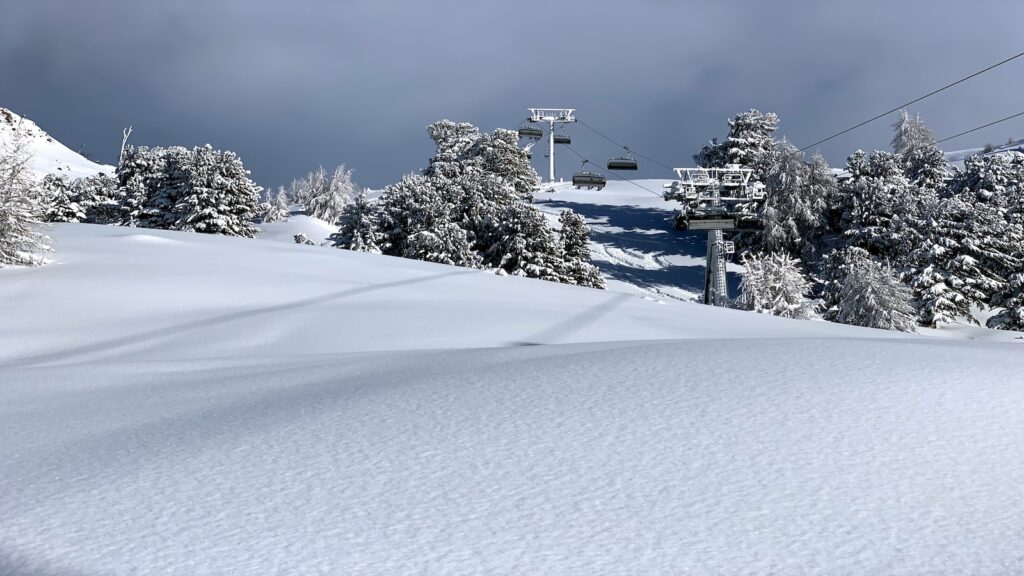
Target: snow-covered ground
x=48 y=155
x=177 y=403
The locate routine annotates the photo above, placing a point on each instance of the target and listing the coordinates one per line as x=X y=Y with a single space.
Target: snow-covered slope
x=175 y=403
x=48 y=155
x=957 y=157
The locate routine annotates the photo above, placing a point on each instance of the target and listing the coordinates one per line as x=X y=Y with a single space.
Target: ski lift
x=588 y=180
x=730 y=247
x=531 y=133
x=626 y=162
x=562 y=139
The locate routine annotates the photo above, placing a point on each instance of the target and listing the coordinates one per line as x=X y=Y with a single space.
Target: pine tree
x=795 y=213
x=62 y=203
x=575 y=248
x=749 y=144
x=870 y=295
x=1011 y=300
x=359 y=229
x=277 y=207
x=527 y=246
x=98 y=197
x=327 y=197
x=21 y=208
x=923 y=163
x=880 y=206
x=773 y=284
x=218 y=195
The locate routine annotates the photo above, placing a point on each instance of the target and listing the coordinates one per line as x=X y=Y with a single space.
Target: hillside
x=176 y=403
x=48 y=155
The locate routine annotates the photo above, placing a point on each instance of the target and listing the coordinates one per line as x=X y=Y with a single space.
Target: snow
x=284 y=231
x=48 y=155
x=178 y=403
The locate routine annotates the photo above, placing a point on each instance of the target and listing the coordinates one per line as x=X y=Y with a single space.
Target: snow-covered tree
x=870 y=295
x=880 y=206
x=1011 y=302
x=527 y=246
x=795 y=212
x=773 y=284
x=98 y=196
x=359 y=229
x=501 y=155
x=22 y=206
x=219 y=197
x=923 y=163
x=575 y=246
x=277 y=208
x=328 y=196
x=202 y=190
x=62 y=203
x=910 y=132
x=749 y=144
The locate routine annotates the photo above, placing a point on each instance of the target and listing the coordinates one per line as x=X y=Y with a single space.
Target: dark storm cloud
x=293 y=85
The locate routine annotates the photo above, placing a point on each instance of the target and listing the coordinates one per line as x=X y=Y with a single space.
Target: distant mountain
x=48 y=155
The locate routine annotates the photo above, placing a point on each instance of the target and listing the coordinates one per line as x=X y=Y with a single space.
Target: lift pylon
x=552 y=116
x=718 y=200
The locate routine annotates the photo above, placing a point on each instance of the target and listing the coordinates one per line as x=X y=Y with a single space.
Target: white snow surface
x=172 y=403
x=48 y=155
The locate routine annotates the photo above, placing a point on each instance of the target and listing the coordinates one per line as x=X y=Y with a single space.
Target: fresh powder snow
x=180 y=403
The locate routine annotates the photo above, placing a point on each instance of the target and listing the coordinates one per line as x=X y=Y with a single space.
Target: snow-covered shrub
x=358 y=226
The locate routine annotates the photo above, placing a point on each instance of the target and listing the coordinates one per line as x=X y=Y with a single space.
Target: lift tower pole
x=552 y=116
x=717 y=200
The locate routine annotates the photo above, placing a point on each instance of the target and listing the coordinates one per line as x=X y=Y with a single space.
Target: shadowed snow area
x=177 y=403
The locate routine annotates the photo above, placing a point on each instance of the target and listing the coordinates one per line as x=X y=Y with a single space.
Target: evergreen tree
x=22 y=206
x=749 y=144
x=575 y=247
x=795 y=212
x=1011 y=300
x=773 y=284
x=359 y=229
x=62 y=203
x=277 y=208
x=202 y=190
x=327 y=197
x=880 y=206
x=527 y=246
x=870 y=295
x=98 y=197
x=910 y=132
x=923 y=163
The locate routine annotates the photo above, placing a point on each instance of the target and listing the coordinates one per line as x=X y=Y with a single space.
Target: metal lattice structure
x=552 y=116
x=718 y=200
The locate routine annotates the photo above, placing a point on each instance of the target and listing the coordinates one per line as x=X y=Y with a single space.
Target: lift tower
x=718 y=200
x=552 y=116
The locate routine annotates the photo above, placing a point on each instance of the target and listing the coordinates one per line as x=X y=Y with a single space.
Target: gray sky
x=297 y=84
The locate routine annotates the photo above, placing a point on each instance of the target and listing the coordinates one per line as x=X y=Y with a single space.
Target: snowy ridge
x=179 y=403
x=48 y=155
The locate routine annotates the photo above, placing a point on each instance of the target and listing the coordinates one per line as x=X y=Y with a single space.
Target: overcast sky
x=291 y=85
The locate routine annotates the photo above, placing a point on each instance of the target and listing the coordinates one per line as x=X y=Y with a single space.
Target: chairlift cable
x=606 y=174
x=623 y=146
x=914 y=101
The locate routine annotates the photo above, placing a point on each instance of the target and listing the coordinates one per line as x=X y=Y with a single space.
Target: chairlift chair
x=626 y=162
x=531 y=133
x=562 y=139
x=588 y=180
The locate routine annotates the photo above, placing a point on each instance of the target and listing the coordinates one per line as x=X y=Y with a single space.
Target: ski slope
x=177 y=403
x=48 y=155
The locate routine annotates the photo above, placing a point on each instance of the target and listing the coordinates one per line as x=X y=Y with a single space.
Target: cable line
x=914 y=101
x=627 y=148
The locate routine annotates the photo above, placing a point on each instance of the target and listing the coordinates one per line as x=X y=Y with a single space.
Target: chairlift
x=588 y=180
x=531 y=133
x=626 y=162
x=562 y=139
